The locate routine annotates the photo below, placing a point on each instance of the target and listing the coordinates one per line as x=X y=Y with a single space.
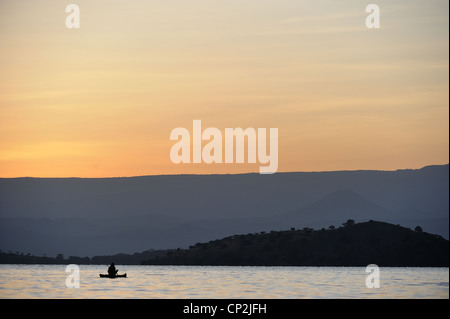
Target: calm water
x=49 y=281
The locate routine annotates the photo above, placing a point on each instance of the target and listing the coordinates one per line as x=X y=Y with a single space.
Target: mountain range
x=98 y=216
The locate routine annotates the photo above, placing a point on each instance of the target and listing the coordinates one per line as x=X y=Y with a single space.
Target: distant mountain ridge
x=110 y=215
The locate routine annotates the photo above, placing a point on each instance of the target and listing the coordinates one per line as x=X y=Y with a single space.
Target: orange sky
x=102 y=100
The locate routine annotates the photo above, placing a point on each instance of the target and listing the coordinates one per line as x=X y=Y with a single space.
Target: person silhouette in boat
x=112 y=271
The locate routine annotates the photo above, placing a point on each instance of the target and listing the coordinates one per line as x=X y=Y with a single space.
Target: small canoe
x=116 y=276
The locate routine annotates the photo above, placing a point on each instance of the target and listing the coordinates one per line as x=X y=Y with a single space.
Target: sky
x=101 y=100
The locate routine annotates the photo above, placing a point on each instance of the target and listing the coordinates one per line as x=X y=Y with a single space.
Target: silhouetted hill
x=359 y=244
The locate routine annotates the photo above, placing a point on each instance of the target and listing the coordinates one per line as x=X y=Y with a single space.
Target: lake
x=212 y=282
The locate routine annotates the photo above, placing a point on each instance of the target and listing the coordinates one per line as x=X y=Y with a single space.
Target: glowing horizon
x=101 y=101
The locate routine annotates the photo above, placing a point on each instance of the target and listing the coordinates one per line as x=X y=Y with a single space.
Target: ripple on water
x=48 y=281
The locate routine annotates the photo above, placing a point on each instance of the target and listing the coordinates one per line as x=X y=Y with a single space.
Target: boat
x=113 y=276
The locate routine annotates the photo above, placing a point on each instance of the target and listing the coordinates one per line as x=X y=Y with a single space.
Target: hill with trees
x=351 y=244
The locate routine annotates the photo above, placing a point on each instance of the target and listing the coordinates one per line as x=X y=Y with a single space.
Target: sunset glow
x=101 y=100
